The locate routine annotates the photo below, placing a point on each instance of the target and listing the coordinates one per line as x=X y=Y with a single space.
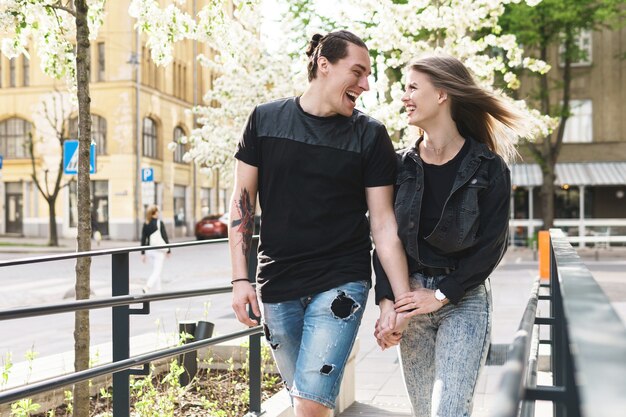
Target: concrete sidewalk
x=380 y=387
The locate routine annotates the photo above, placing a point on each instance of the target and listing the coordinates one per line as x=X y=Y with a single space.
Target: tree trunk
x=83 y=265
x=53 y=239
x=547 y=197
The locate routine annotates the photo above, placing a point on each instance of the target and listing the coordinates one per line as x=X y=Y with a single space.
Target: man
x=318 y=166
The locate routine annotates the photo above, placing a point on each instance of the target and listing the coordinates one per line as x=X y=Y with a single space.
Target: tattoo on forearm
x=245 y=223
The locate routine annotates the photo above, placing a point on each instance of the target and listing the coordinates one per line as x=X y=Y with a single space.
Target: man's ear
x=323 y=64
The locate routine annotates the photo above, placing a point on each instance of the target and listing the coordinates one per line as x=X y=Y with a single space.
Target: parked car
x=213 y=226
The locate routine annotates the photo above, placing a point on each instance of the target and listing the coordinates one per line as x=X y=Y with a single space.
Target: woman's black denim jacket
x=471 y=236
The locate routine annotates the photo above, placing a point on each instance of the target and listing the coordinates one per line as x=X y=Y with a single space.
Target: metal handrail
x=123 y=365
x=587 y=346
x=512 y=380
x=120 y=300
x=597 y=336
x=102 y=252
x=65 y=380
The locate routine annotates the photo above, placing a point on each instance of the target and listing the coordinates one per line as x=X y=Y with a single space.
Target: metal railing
x=123 y=365
x=587 y=346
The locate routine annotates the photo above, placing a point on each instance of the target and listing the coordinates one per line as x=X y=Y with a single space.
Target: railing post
x=121 y=334
x=255 y=344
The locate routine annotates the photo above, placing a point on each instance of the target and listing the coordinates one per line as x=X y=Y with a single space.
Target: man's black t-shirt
x=313 y=172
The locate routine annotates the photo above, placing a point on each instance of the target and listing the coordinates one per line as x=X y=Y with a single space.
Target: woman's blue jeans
x=443 y=352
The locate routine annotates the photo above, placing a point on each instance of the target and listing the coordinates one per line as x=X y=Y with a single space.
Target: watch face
x=439 y=295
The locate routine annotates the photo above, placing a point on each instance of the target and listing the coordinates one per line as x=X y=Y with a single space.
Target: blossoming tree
x=52 y=26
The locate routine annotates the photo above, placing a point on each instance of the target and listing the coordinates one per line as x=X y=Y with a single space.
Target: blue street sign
x=147 y=174
x=0 y=161
x=70 y=157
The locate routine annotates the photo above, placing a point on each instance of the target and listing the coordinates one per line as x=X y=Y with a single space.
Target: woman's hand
x=419 y=301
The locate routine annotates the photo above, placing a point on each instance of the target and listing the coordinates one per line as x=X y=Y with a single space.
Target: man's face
x=346 y=80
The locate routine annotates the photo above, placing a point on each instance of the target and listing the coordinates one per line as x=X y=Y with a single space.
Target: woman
x=452 y=207
x=154 y=234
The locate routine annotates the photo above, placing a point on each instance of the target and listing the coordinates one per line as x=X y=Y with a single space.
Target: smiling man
x=318 y=166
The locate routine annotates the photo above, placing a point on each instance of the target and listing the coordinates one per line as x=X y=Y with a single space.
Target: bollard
x=544 y=254
x=187 y=360
x=200 y=330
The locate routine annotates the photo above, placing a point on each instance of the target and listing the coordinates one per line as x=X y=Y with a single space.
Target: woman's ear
x=443 y=96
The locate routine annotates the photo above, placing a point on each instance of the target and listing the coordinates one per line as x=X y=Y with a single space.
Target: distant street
x=46 y=283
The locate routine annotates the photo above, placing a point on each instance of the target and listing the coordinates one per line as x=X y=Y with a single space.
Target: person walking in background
x=318 y=165
x=154 y=234
x=452 y=207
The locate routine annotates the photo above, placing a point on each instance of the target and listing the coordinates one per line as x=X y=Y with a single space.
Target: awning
x=572 y=173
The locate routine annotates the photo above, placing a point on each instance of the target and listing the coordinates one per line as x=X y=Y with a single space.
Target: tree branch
x=66 y=9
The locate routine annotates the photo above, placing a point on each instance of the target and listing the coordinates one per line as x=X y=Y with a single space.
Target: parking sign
x=147 y=174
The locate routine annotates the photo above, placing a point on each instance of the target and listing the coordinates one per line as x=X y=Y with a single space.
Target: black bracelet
x=239 y=279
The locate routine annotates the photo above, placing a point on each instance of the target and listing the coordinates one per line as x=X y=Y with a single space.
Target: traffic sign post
x=148 y=187
x=70 y=157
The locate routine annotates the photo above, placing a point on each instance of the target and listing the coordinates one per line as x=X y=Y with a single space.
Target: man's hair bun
x=315 y=40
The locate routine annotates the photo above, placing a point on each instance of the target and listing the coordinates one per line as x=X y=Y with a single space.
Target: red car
x=212 y=227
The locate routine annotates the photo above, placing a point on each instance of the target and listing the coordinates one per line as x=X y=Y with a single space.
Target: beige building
x=138 y=109
x=591 y=168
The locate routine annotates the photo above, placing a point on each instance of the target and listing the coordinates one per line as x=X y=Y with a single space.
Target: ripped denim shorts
x=311 y=339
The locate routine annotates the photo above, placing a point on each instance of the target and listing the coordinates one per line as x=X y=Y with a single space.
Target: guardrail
x=587 y=346
x=123 y=365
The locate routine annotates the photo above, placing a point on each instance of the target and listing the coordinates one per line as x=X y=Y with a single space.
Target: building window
x=579 y=126
x=98 y=132
x=12 y=74
x=181 y=148
x=26 y=70
x=150 y=148
x=99 y=191
x=205 y=201
x=585 y=51
x=179 y=205
x=14 y=138
x=101 y=61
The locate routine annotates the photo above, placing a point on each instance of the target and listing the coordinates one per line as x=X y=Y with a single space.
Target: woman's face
x=421 y=99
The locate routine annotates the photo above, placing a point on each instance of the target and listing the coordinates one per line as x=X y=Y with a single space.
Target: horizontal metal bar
x=545 y=393
x=121 y=300
x=545 y=297
x=102 y=252
x=545 y=341
x=545 y=320
x=15 y=394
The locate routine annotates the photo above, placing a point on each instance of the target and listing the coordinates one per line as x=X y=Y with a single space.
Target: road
x=47 y=283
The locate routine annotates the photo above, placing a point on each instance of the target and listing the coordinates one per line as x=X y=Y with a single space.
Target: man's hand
x=387 y=319
x=419 y=301
x=388 y=341
x=244 y=294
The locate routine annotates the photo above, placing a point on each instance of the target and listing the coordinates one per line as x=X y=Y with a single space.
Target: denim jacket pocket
x=470 y=195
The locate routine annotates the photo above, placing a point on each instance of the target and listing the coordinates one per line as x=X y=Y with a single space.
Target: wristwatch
x=439 y=296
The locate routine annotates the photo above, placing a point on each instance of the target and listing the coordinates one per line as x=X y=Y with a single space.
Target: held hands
x=389 y=327
x=244 y=294
x=419 y=301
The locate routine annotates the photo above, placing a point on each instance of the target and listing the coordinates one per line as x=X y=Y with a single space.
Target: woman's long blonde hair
x=478 y=113
x=150 y=212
